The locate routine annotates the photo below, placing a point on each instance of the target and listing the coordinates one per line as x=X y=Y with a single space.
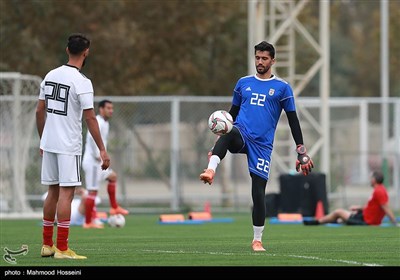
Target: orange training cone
x=319 y=210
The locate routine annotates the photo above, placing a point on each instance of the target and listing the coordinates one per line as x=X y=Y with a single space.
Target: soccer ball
x=117 y=220
x=220 y=122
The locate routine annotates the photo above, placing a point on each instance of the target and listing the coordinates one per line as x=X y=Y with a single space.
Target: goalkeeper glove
x=304 y=161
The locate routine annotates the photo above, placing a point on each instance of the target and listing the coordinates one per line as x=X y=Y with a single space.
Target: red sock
x=89 y=206
x=48 y=227
x=62 y=234
x=111 y=187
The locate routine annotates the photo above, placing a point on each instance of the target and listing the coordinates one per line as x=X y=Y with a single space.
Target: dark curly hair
x=265 y=46
x=77 y=43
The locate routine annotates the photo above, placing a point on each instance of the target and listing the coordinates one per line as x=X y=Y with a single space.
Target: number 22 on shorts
x=263 y=165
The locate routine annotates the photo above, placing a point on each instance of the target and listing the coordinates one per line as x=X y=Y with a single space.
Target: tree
x=139 y=47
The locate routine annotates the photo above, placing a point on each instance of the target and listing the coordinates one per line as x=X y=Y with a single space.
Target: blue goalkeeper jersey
x=261 y=103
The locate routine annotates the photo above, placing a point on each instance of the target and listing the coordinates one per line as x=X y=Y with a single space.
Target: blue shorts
x=258 y=157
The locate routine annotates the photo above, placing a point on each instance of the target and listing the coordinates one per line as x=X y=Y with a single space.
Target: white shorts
x=94 y=175
x=64 y=170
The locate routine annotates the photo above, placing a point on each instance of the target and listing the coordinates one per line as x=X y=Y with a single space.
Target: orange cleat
x=118 y=210
x=257 y=246
x=92 y=225
x=207 y=176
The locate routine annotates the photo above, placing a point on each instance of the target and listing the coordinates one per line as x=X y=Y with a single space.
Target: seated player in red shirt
x=371 y=214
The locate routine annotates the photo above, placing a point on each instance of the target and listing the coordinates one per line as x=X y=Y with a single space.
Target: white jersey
x=92 y=152
x=67 y=92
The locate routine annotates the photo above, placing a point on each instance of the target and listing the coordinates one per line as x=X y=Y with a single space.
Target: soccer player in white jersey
x=257 y=103
x=94 y=175
x=78 y=207
x=65 y=95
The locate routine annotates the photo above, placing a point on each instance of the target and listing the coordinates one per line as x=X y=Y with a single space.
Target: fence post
x=175 y=187
x=363 y=138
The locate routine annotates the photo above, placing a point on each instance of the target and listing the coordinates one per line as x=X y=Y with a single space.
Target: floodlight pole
x=256 y=29
x=384 y=85
x=324 y=34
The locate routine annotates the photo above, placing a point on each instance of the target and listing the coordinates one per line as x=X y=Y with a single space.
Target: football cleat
x=92 y=225
x=68 y=254
x=48 y=251
x=118 y=210
x=207 y=176
x=257 y=246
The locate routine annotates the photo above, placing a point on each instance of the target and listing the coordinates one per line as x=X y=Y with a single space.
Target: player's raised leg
x=233 y=142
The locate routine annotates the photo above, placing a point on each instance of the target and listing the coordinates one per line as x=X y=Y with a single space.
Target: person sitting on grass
x=372 y=214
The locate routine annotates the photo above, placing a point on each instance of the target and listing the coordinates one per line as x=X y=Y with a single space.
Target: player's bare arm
x=93 y=126
x=40 y=118
x=389 y=213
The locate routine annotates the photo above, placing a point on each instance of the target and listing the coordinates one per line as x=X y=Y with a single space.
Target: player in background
x=371 y=214
x=78 y=207
x=65 y=95
x=257 y=103
x=94 y=175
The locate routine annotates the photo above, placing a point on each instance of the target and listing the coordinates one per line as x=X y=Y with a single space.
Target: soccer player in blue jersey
x=257 y=103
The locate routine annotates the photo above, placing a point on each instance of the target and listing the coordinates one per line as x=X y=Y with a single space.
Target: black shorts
x=356 y=219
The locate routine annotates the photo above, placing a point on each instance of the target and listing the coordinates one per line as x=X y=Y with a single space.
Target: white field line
x=264 y=254
x=334 y=260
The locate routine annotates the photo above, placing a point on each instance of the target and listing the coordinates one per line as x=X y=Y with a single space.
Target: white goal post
x=17 y=122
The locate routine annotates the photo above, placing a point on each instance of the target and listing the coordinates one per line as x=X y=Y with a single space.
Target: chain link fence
x=158 y=148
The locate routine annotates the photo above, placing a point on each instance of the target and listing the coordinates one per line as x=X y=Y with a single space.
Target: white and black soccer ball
x=220 y=122
x=117 y=220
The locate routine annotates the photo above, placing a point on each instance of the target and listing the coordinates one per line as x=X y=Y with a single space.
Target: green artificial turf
x=143 y=242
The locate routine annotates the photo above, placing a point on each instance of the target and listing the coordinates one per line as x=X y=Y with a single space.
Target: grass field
x=145 y=242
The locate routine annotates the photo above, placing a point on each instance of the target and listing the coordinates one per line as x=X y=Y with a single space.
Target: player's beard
x=84 y=62
x=263 y=70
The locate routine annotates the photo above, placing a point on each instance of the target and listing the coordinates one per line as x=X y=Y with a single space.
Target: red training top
x=373 y=212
